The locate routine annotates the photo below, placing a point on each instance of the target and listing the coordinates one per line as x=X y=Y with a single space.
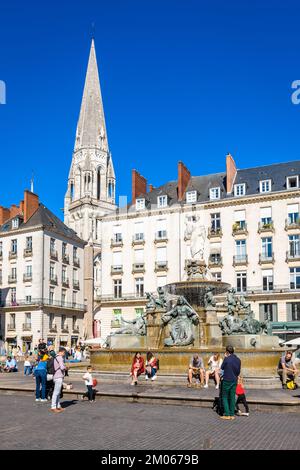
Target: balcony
x=239 y=228
x=53 y=280
x=117 y=269
x=215 y=261
x=53 y=328
x=266 y=227
x=12 y=279
x=27 y=252
x=54 y=255
x=13 y=255
x=11 y=327
x=266 y=259
x=122 y=298
x=161 y=236
x=65 y=329
x=292 y=255
x=65 y=258
x=65 y=282
x=76 y=262
x=292 y=225
x=138 y=239
x=161 y=266
x=26 y=327
x=138 y=268
x=75 y=284
x=116 y=242
x=43 y=302
x=240 y=260
x=27 y=277
x=214 y=232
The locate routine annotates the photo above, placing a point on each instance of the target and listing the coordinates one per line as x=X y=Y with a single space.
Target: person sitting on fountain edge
x=151 y=366
x=137 y=367
x=287 y=369
x=196 y=370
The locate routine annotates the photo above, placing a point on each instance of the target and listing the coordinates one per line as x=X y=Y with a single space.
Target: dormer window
x=292 y=182
x=214 y=193
x=191 y=196
x=240 y=189
x=162 y=201
x=15 y=223
x=139 y=204
x=265 y=186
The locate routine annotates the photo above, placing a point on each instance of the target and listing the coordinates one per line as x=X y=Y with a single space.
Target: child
x=27 y=365
x=88 y=378
x=241 y=398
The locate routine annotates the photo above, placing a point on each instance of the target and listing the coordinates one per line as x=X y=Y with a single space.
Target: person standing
x=40 y=373
x=231 y=367
x=27 y=365
x=241 y=398
x=89 y=382
x=58 y=377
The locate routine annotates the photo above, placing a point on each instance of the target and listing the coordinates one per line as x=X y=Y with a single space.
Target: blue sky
x=182 y=80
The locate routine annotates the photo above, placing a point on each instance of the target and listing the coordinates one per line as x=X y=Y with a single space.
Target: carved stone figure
x=209 y=300
x=197 y=235
x=243 y=306
x=132 y=327
x=181 y=318
x=232 y=324
x=159 y=301
x=232 y=301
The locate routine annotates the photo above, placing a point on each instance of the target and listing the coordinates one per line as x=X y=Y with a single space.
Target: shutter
x=239 y=215
x=161 y=224
x=289 y=312
x=267 y=272
x=161 y=254
x=139 y=227
x=215 y=248
x=293 y=208
x=117 y=258
x=265 y=212
x=117 y=229
x=139 y=256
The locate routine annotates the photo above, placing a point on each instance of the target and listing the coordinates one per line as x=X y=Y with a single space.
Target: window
x=52 y=245
x=52 y=271
x=74 y=319
x=293 y=311
x=12 y=320
x=98 y=184
x=117 y=261
x=28 y=243
x=139 y=231
x=241 y=282
x=72 y=191
x=139 y=287
x=13 y=296
x=15 y=223
x=294 y=246
x=162 y=201
x=117 y=312
x=75 y=275
x=139 y=257
x=51 y=320
x=215 y=220
x=14 y=246
x=1 y=245
x=28 y=299
x=217 y=276
x=239 y=220
x=117 y=288
x=117 y=234
x=240 y=247
x=265 y=215
x=161 y=256
x=161 y=232
x=64 y=249
x=139 y=312
x=139 y=204
x=214 y=193
x=294 y=278
x=267 y=277
x=265 y=186
x=266 y=245
x=63 y=322
x=74 y=252
x=191 y=196
x=268 y=312
x=0 y=277
x=14 y=273
x=28 y=319
x=74 y=298
x=29 y=270
x=64 y=274
x=51 y=296
x=240 y=189
x=63 y=297
x=293 y=214
x=292 y=182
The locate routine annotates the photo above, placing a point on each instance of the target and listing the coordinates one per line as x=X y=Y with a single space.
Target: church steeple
x=91 y=183
x=91 y=128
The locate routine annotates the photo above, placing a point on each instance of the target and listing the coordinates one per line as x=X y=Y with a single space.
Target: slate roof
x=48 y=220
x=202 y=184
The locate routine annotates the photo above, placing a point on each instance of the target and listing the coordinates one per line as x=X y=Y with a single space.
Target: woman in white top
x=214 y=364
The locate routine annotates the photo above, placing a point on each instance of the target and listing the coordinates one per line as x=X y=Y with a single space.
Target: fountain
x=181 y=319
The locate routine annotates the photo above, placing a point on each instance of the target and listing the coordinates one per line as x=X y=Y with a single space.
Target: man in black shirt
x=231 y=367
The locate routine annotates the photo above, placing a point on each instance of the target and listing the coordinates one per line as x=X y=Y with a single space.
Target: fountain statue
x=181 y=318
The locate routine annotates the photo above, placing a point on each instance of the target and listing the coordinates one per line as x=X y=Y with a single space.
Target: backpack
x=50 y=366
x=218 y=406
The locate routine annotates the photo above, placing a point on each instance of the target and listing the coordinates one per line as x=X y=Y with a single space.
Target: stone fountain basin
x=194 y=290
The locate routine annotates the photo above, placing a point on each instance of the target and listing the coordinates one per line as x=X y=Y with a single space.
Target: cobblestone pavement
x=111 y=425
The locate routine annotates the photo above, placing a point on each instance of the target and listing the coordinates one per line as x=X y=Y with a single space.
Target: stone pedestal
x=155 y=331
x=251 y=341
x=127 y=342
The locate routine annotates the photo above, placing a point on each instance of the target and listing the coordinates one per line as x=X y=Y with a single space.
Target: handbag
x=49 y=377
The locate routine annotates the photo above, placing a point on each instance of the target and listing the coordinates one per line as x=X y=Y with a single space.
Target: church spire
x=91 y=128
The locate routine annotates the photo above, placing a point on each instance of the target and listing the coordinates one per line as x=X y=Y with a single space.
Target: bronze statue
x=181 y=318
x=209 y=300
x=132 y=327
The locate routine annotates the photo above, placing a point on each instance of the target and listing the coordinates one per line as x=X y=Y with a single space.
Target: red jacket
x=240 y=389
x=142 y=365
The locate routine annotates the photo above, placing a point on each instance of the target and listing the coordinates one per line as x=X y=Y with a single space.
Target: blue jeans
x=40 y=381
x=27 y=370
x=153 y=372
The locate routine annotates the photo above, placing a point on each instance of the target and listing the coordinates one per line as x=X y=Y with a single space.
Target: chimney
x=151 y=187
x=230 y=173
x=139 y=185
x=183 y=179
x=4 y=215
x=31 y=204
x=14 y=210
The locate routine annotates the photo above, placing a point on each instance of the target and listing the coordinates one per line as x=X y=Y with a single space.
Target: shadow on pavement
x=67 y=403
